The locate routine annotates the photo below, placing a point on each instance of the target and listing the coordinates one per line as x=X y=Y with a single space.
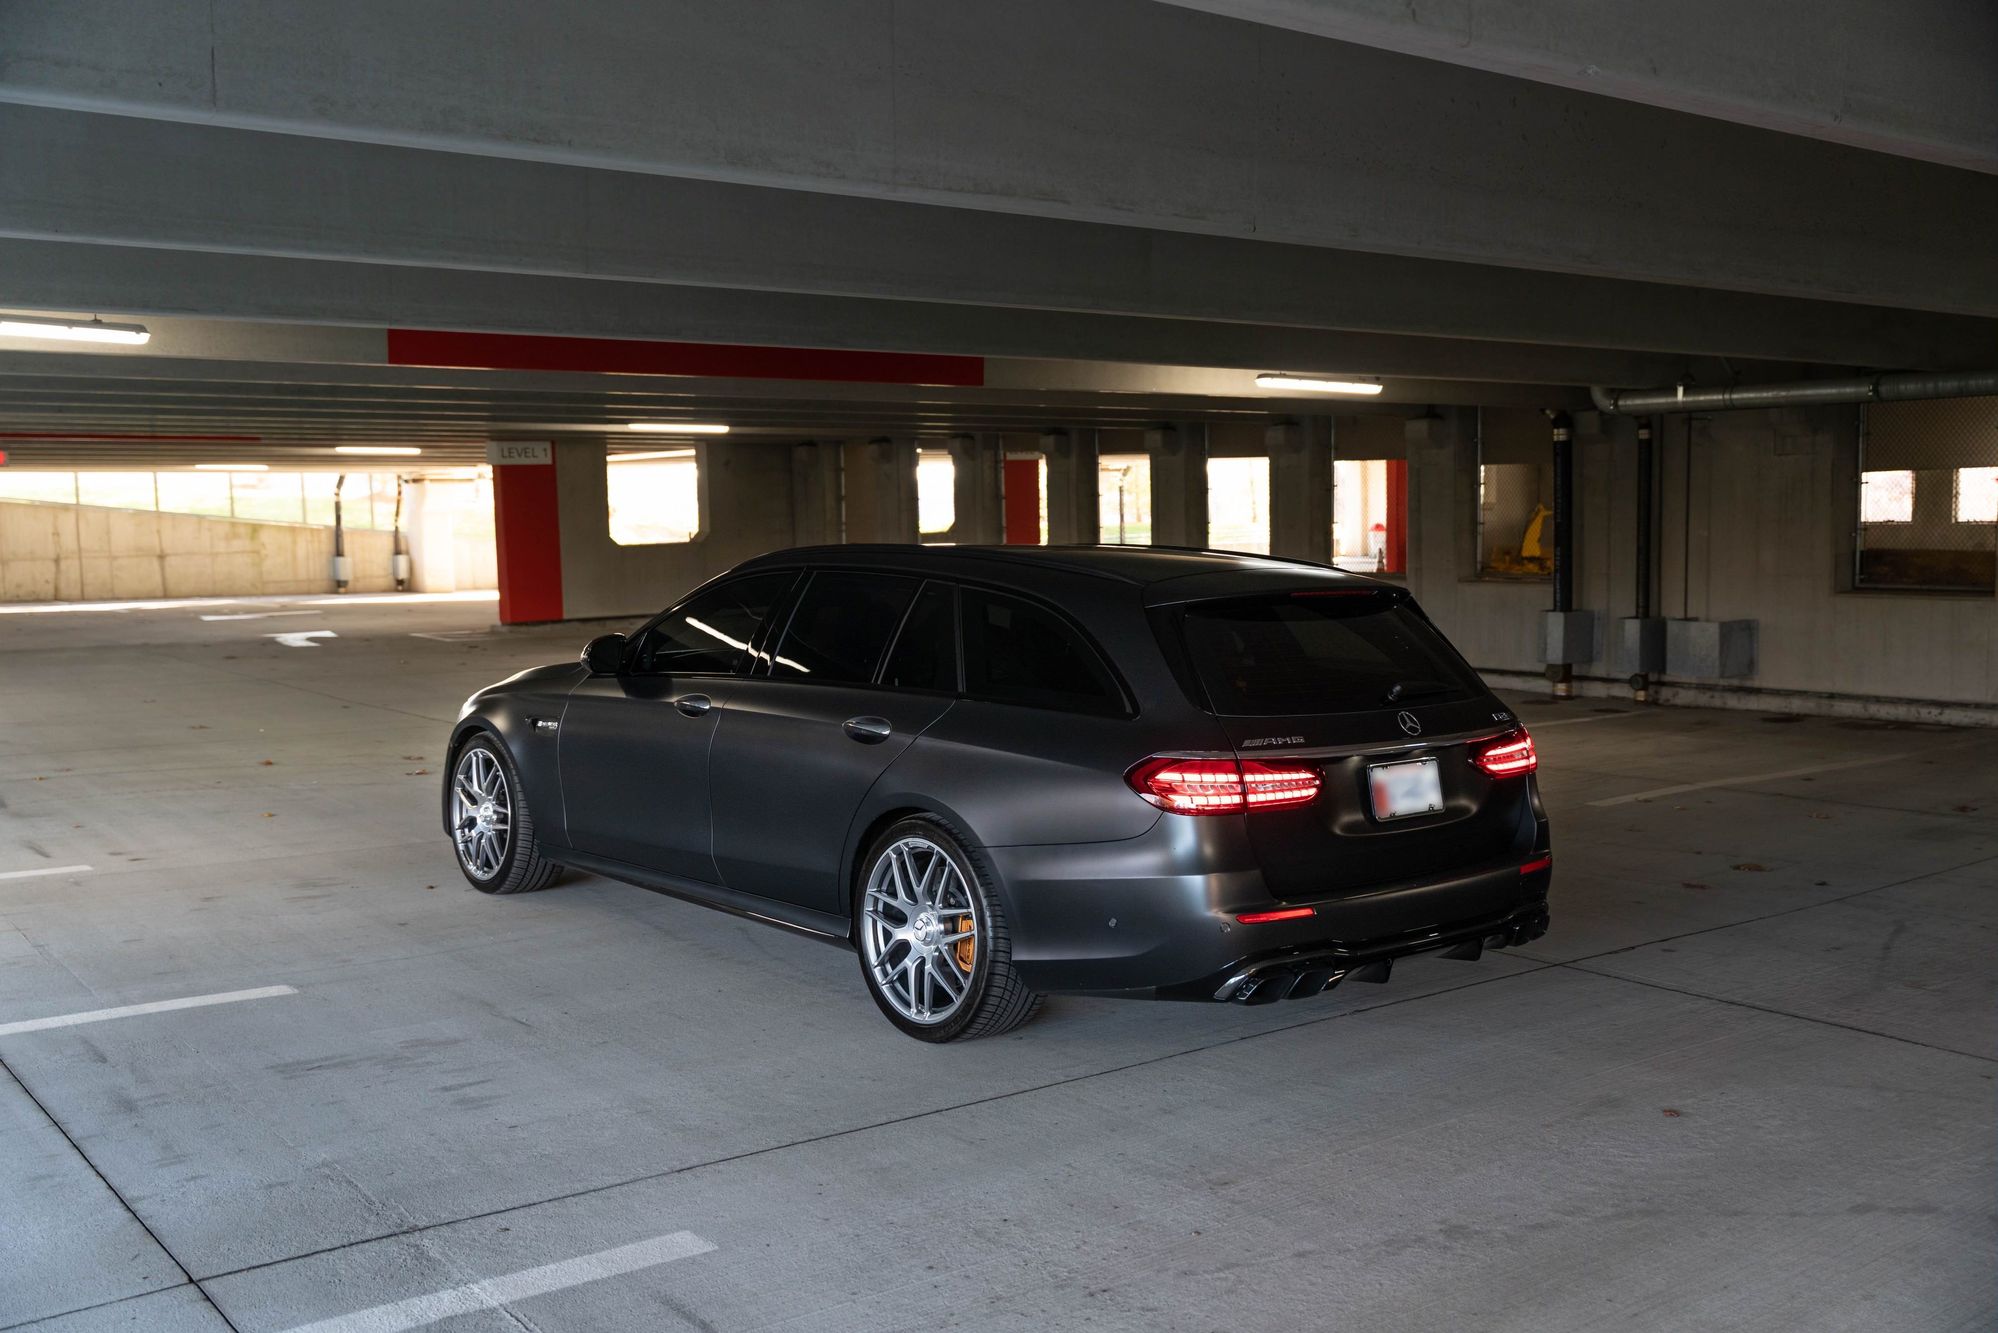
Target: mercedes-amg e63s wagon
x=1000 y=772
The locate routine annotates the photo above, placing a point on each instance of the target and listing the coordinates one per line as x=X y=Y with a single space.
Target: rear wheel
x=934 y=945
x=491 y=826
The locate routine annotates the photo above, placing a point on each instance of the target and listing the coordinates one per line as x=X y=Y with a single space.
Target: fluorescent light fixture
x=678 y=427
x=1314 y=385
x=651 y=454
x=379 y=450
x=232 y=467
x=69 y=330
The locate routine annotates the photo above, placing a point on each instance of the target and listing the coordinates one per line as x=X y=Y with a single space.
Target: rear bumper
x=1155 y=917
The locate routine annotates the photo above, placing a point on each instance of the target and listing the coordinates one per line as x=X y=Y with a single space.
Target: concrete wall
x=56 y=552
x=1755 y=515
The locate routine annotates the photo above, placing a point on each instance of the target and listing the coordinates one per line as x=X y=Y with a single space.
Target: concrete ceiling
x=1125 y=207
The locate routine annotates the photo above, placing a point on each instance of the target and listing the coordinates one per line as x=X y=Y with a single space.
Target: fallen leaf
x=1674 y=1114
x=417 y=773
x=270 y=814
x=265 y=763
x=1819 y=815
x=430 y=886
x=1751 y=865
x=1964 y=809
x=1694 y=884
x=414 y=758
x=199 y=726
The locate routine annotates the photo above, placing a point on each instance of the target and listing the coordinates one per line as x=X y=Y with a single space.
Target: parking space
x=1745 y=1079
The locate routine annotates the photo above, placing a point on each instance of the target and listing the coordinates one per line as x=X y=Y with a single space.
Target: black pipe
x=1642 y=607
x=1564 y=512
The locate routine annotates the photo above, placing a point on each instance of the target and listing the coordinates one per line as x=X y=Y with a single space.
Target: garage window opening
x=936 y=494
x=654 y=498
x=368 y=500
x=1124 y=499
x=1928 y=497
x=1238 y=504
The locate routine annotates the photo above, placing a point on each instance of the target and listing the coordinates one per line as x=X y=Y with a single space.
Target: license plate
x=1402 y=790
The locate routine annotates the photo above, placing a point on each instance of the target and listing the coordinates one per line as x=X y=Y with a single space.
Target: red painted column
x=527 y=531
x=1023 y=499
x=1397 y=516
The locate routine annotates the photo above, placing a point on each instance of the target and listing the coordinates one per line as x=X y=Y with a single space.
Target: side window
x=711 y=634
x=1018 y=653
x=842 y=626
x=925 y=656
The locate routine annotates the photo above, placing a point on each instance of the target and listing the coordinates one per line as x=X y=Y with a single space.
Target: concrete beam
x=1912 y=79
x=59 y=275
x=122 y=181
x=1081 y=115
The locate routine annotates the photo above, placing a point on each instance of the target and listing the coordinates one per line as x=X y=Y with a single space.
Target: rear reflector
x=1284 y=914
x=1532 y=867
x=1221 y=786
x=1508 y=756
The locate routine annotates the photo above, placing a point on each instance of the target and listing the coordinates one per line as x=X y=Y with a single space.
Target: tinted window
x=712 y=632
x=925 y=656
x=1019 y=653
x=1320 y=653
x=842 y=627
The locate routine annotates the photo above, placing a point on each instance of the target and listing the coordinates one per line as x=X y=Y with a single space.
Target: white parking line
x=1746 y=778
x=44 y=870
x=1537 y=724
x=129 y=1010
x=495 y=1291
x=304 y=638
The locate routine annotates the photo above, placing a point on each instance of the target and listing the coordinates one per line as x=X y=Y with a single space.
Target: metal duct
x=1800 y=393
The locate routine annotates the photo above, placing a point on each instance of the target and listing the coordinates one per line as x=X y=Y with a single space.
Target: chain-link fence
x=1928 y=496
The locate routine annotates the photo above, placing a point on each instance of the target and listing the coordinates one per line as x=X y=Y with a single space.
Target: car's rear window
x=1319 y=652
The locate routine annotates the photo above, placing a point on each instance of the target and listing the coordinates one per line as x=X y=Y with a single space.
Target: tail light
x=1221 y=786
x=1508 y=756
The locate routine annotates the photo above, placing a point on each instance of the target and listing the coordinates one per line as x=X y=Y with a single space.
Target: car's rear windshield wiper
x=1416 y=689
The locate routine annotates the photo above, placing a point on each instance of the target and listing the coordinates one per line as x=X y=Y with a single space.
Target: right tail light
x=1506 y=756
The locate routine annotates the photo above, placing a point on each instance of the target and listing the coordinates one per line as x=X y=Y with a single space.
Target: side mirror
x=604 y=654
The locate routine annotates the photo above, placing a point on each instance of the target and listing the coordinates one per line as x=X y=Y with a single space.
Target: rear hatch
x=1353 y=684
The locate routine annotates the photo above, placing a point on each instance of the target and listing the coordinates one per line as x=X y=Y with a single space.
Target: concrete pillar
x=881 y=491
x=1179 y=484
x=978 y=499
x=1301 y=489
x=816 y=518
x=1073 y=516
x=527 y=530
x=1442 y=503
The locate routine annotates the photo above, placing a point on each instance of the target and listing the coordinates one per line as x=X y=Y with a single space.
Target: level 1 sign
x=502 y=452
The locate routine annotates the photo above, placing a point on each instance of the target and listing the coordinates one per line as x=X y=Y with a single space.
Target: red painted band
x=630 y=356
x=80 y=435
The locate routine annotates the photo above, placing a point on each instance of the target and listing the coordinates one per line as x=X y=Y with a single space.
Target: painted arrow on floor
x=303 y=638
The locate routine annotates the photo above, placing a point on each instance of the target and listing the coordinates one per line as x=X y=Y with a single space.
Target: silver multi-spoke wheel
x=919 y=930
x=481 y=812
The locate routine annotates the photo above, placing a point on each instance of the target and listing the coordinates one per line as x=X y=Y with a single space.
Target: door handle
x=693 y=705
x=868 y=730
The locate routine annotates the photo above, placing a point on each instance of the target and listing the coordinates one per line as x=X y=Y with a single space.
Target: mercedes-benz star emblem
x=1409 y=722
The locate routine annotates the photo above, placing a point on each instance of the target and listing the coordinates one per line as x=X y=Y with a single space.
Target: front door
x=799 y=748
x=634 y=746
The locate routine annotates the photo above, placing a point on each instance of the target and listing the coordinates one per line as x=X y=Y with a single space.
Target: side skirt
x=823 y=926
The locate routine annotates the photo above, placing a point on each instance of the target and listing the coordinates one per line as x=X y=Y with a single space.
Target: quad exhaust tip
x=1299 y=978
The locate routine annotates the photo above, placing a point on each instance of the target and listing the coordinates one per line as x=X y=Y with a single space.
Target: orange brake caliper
x=967 y=948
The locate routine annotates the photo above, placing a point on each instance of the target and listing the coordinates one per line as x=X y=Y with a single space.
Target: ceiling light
x=379 y=450
x=678 y=427
x=651 y=454
x=69 y=330
x=1317 y=385
x=232 y=467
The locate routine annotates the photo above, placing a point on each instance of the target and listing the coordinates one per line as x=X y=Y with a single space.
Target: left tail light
x=1507 y=756
x=1222 y=786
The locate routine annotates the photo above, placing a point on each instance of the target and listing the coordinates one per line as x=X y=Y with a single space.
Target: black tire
x=996 y=999
x=522 y=868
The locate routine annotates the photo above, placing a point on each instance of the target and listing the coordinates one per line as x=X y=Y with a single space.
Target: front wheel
x=491 y=826
x=934 y=945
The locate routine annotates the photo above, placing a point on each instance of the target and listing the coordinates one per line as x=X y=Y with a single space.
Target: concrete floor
x=1746 y=1082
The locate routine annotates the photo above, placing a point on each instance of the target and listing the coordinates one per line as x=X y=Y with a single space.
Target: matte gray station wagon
x=999 y=772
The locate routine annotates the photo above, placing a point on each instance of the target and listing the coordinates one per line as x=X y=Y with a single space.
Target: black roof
x=1139 y=565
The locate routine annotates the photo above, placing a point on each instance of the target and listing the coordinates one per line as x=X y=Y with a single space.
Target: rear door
x=634 y=746
x=804 y=739
x=1357 y=687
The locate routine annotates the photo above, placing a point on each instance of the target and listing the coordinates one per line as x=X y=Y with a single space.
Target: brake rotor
x=967 y=948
